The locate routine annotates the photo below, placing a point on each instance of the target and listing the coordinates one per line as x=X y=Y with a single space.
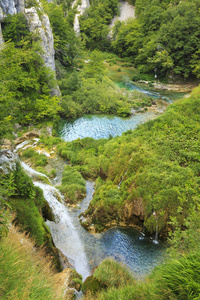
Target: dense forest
x=148 y=177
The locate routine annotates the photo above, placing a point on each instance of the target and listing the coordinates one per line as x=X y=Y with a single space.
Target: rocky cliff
x=38 y=23
x=11 y=6
x=41 y=26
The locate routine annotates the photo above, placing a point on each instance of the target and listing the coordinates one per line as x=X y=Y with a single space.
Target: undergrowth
x=25 y=272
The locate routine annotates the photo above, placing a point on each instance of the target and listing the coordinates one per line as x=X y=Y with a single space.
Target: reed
x=25 y=272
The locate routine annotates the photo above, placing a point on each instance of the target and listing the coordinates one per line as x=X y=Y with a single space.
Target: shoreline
x=175 y=87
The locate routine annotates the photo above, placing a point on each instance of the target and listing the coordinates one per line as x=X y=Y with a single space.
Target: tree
x=24 y=81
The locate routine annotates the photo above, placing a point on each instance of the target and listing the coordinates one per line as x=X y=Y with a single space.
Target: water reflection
x=128 y=246
x=100 y=126
x=124 y=244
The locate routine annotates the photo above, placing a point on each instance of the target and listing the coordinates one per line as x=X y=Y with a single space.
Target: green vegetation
x=21 y=197
x=28 y=201
x=149 y=176
x=113 y=274
x=73 y=185
x=94 y=23
x=175 y=279
x=25 y=82
x=163 y=36
x=108 y=274
x=25 y=274
x=67 y=45
x=92 y=90
x=158 y=164
x=35 y=158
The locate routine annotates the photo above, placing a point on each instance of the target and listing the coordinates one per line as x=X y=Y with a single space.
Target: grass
x=25 y=273
x=125 y=70
x=38 y=160
x=175 y=279
x=113 y=274
x=159 y=163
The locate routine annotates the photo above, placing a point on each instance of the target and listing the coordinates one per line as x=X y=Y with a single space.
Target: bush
x=73 y=185
x=38 y=160
x=29 y=219
x=113 y=274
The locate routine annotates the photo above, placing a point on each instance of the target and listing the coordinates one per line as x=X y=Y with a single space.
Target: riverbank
x=184 y=87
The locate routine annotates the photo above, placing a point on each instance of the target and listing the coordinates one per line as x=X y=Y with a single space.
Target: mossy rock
x=92 y=285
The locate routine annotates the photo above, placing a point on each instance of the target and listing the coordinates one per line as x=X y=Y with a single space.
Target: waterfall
x=156 y=234
x=31 y=172
x=64 y=233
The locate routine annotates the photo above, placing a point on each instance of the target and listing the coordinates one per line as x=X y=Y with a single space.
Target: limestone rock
x=1 y=14
x=27 y=136
x=81 y=9
x=134 y=209
x=8 y=160
x=6 y=144
x=11 y=6
x=64 y=261
x=41 y=26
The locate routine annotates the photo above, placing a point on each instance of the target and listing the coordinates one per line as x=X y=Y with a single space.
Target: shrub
x=73 y=185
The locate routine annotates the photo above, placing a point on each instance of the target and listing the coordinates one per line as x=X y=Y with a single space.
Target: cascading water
x=86 y=251
x=31 y=172
x=63 y=232
x=156 y=233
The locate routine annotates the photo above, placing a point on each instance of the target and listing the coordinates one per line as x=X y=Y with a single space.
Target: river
x=84 y=250
x=105 y=126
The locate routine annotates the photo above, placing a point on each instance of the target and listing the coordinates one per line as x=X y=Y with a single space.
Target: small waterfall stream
x=64 y=234
x=85 y=251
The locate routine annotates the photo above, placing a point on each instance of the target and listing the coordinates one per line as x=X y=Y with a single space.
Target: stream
x=106 y=126
x=84 y=250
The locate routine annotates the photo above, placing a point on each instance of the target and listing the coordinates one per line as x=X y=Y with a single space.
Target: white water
x=63 y=232
x=32 y=172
